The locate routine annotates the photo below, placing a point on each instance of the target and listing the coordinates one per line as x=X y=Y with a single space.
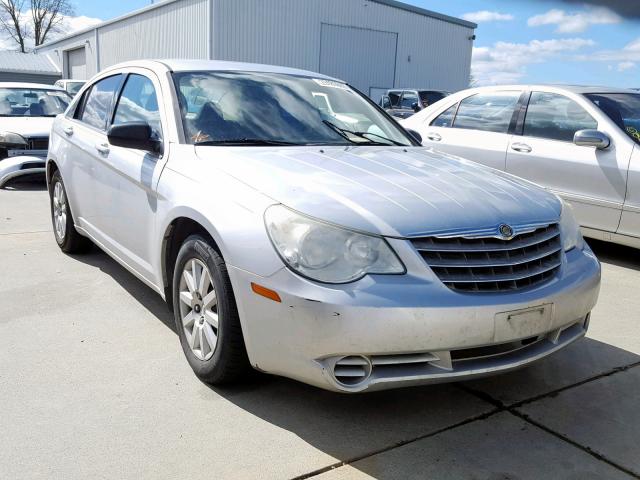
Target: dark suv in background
x=405 y=102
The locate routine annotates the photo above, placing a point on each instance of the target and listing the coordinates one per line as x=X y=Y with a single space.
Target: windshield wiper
x=246 y=141
x=344 y=133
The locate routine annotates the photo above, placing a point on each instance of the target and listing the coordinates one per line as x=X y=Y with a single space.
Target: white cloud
x=624 y=66
x=630 y=53
x=486 y=16
x=507 y=62
x=575 y=22
x=69 y=25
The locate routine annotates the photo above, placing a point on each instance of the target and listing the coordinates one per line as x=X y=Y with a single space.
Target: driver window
x=139 y=103
x=555 y=117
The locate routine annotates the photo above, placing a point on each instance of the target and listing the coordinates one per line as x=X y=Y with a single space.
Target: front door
x=133 y=191
x=592 y=181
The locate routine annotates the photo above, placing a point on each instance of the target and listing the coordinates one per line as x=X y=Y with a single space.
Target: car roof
x=178 y=65
x=418 y=89
x=40 y=86
x=568 y=88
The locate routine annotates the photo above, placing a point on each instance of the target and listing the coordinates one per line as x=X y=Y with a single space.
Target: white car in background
x=27 y=111
x=71 y=86
x=579 y=142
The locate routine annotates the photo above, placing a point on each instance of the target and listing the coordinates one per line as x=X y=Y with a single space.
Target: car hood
x=27 y=126
x=395 y=191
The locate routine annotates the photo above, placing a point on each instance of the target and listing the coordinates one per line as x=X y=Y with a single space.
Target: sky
x=593 y=42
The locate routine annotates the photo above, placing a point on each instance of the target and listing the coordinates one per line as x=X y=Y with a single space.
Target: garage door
x=364 y=58
x=77 y=64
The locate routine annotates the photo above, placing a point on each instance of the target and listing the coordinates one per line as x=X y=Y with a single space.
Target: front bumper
x=409 y=329
x=22 y=165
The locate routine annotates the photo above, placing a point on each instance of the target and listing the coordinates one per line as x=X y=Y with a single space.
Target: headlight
x=327 y=253
x=569 y=229
x=10 y=138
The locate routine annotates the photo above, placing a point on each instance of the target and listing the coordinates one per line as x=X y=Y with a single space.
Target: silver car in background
x=26 y=115
x=582 y=143
x=314 y=242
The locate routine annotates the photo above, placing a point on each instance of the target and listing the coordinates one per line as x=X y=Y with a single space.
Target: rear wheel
x=67 y=237
x=206 y=314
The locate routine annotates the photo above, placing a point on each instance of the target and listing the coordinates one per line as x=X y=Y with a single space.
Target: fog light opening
x=352 y=370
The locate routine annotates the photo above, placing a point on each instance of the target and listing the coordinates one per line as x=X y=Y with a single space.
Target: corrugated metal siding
x=340 y=45
x=431 y=53
x=28 y=78
x=177 y=30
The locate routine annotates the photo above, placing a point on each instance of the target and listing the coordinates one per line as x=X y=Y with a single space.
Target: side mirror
x=415 y=135
x=385 y=102
x=136 y=135
x=591 y=138
x=415 y=106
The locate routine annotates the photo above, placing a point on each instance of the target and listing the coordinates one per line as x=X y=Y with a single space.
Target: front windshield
x=267 y=108
x=32 y=102
x=622 y=108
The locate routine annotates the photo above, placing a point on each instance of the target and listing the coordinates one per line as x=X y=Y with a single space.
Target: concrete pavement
x=93 y=384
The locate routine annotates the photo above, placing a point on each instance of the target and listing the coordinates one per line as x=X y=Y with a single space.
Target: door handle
x=68 y=131
x=434 y=136
x=103 y=148
x=521 y=147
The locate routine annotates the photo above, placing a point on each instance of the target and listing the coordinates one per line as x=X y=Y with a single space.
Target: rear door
x=477 y=128
x=86 y=147
x=542 y=151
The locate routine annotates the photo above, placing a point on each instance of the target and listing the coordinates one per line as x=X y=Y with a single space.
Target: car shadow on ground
x=619 y=255
x=363 y=427
x=34 y=184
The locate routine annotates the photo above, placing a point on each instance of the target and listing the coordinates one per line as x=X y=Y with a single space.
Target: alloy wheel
x=59 y=201
x=199 y=309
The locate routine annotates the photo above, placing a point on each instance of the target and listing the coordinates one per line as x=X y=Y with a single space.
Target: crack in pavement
x=24 y=233
x=401 y=443
x=499 y=407
x=512 y=409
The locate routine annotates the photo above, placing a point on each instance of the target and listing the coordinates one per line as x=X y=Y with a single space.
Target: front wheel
x=67 y=237
x=206 y=315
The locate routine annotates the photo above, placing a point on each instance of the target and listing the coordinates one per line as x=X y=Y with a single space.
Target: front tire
x=206 y=315
x=64 y=230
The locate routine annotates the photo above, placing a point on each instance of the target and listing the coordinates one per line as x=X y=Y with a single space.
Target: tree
x=44 y=18
x=47 y=17
x=12 y=21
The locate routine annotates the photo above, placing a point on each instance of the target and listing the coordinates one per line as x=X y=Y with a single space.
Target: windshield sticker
x=331 y=84
x=633 y=132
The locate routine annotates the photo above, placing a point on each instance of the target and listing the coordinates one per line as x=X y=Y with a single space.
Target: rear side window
x=555 y=117
x=408 y=99
x=445 y=119
x=139 y=103
x=98 y=101
x=490 y=112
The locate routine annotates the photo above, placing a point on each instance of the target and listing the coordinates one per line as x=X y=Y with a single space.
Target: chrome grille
x=491 y=264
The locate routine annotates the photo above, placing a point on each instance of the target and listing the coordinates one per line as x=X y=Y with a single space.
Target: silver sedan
x=293 y=227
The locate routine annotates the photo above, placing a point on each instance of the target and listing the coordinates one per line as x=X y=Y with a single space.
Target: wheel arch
x=176 y=232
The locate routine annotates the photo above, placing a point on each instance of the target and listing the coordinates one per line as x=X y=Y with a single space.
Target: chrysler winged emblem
x=506 y=231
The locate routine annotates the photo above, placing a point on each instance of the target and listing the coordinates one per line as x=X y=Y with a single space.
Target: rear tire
x=206 y=315
x=64 y=230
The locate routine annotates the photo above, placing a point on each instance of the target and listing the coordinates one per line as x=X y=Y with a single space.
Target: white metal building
x=372 y=44
x=27 y=67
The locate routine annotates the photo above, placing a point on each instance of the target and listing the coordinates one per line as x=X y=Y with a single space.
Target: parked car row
x=403 y=103
x=27 y=111
x=579 y=142
x=295 y=228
